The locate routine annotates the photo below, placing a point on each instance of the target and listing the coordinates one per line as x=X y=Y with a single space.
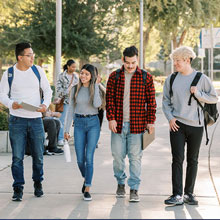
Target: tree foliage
x=174 y=19
x=86 y=27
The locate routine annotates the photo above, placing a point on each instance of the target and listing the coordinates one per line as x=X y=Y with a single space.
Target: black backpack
x=210 y=111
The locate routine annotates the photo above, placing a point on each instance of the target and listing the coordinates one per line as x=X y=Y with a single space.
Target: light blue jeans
x=86 y=136
x=127 y=144
x=62 y=120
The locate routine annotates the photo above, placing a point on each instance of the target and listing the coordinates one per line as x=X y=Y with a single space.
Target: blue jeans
x=86 y=136
x=62 y=120
x=127 y=144
x=22 y=130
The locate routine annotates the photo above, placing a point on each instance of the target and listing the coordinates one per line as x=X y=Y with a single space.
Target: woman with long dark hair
x=66 y=80
x=85 y=100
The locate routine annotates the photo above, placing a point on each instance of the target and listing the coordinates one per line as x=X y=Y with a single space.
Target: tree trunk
x=1 y=73
x=174 y=41
x=165 y=67
x=180 y=42
x=82 y=62
x=182 y=38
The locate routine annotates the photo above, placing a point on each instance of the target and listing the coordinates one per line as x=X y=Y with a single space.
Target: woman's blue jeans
x=22 y=130
x=86 y=136
x=127 y=144
x=62 y=120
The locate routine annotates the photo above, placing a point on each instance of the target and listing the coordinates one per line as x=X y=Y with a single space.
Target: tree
x=172 y=18
x=129 y=10
x=6 y=44
x=176 y=17
x=85 y=27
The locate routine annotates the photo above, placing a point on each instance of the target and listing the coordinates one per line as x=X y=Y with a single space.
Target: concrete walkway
x=63 y=182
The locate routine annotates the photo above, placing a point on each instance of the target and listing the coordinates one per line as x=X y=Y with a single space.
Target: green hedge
x=3 y=120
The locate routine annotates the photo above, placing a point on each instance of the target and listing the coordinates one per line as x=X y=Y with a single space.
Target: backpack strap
x=173 y=76
x=10 y=79
x=117 y=76
x=194 y=83
x=36 y=72
x=144 y=77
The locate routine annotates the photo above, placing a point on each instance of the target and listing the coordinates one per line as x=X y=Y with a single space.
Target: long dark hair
x=68 y=63
x=94 y=73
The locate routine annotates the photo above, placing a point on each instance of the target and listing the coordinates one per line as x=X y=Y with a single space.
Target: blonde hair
x=183 y=52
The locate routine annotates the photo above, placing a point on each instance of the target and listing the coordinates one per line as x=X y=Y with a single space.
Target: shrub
x=3 y=118
x=3 y=121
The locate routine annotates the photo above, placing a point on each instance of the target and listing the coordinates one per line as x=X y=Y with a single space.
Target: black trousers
x=52 y=127
x=101 y=115
x=192 y=136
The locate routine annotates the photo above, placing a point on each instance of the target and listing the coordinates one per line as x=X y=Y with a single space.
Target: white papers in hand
x=29 y=107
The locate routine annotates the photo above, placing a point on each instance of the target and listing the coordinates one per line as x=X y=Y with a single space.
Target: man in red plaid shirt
x=131 y=108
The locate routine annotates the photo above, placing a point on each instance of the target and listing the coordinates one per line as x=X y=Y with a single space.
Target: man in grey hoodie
x=186 y=122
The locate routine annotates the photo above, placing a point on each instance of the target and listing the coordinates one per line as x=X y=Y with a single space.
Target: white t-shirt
x=25 y=88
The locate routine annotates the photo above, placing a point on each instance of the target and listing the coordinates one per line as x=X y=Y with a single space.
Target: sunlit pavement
x=62 y=184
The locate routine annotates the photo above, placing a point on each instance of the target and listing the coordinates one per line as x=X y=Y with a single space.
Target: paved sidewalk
x=62 y=185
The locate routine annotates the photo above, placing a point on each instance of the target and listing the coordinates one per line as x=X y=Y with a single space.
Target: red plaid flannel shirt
x=140 y=98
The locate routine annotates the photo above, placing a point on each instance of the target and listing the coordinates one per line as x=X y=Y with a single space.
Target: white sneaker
x=60 y=143
x=46 y=142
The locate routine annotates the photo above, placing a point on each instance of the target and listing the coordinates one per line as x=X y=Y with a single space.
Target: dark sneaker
x=87 y=196
x=174 y=200
x=46 y=152
x=38 y=191
x=120 y=193
x=57 y=151
x=190 y=199
x=18 y=193
x=134 y=197
x=83 y=187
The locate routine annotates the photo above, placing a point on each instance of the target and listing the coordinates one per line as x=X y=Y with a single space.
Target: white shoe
x=60 y=143
x=46 y=142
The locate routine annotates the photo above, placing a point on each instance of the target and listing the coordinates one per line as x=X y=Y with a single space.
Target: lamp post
x=211 y=52
x=141 y=33
x=58 y=37
x=172 y=67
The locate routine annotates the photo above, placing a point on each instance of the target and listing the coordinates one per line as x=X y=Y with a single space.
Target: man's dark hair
x=19 y=49
x=130 y=52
